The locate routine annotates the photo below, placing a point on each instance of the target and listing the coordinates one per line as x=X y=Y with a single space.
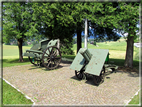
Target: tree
x=54 y=21
x=120 y=16
x=104 y=33
x=17 y=23
x=80 y=11
x=128 y=20
x=79 y=39
x=96 y=13
x=77 y=15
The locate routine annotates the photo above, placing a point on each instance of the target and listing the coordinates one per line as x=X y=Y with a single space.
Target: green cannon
x=92 y=62
x=45 y=54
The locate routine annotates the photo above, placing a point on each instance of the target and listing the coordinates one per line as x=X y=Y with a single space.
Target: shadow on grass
x=120 y=62
x=15 y=60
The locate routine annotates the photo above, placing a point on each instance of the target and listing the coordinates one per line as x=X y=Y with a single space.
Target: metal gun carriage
x=45 y=54
x=92 y=62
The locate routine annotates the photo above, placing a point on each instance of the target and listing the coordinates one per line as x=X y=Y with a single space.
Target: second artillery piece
x=92 y=62
x=45 y=53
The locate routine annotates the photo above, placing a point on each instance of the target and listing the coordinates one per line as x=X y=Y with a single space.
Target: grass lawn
x=117 y=52
x=11 y=52
x=114 y=47
x=14 y=62
x=135 y=100
x=12 y=96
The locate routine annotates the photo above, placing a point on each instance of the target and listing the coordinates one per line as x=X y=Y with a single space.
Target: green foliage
x=25 y=44
x=128 y=17
x=66 y=47
x=17 y=21
x=54 y=20
x=7 y=43
x=60 y=20
x=74 y=41
x=104 y=34
x=95 y=43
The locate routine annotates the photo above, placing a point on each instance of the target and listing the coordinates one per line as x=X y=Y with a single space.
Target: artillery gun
x=92 y=62
x=46 y=54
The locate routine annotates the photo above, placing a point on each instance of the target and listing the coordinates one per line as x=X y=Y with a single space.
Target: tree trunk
x=58 y=46
x=20 y=41
x=129 y=52
x=79 y=41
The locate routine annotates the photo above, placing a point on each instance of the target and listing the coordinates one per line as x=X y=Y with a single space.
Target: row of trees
x=62 y=20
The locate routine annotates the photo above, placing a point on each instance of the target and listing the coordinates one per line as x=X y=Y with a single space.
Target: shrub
x=7 y=43
x=95 y=43
x=24 y=44
x=65 y=47
x=35 y=42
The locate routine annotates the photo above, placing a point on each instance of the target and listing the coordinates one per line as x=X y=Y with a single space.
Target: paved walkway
x=60 y=86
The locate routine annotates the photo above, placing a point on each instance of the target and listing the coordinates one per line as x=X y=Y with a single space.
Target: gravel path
x=60 y=86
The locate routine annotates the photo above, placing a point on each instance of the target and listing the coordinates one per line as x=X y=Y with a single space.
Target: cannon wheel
x=34 y=61
x=51 y=57
x=80 y=74
x=99 y=79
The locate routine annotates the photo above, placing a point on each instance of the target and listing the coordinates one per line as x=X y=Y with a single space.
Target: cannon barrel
x=86 y=54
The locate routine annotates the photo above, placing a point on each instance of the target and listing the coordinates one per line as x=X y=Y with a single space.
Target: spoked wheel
x=80 y=74
x=34 y=61
x=99 y=79
x=51 y=57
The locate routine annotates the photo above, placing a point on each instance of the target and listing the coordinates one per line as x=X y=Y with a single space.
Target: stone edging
x=132 y=98
x=19 y=91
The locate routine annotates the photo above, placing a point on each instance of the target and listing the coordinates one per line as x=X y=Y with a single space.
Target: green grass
x=14 y=62
x=12 y=96
x=121 y=46
x=69 y=56
x=135 y=100
x=10 y=52
x=113 y=47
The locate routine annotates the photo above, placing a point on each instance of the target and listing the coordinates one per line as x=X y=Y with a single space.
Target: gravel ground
x=60 y=86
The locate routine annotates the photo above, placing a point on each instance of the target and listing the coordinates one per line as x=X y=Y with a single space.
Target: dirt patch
x=128 y=69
